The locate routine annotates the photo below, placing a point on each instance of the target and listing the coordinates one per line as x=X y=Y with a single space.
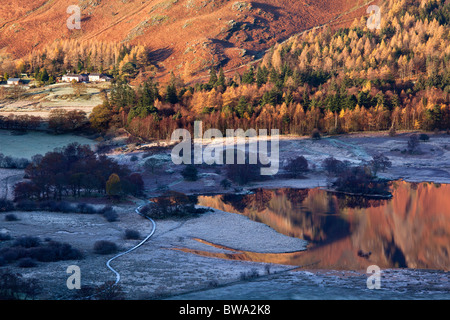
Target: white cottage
x=98 y=77
x=13 y=81
x=74 y=77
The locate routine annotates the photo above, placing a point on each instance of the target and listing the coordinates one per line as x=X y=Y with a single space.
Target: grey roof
x=14 y=79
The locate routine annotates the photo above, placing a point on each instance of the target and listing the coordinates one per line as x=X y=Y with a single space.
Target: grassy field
x=40 y=101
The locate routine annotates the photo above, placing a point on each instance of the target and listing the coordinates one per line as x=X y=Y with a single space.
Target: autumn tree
x=114 y=186
x=100 y=117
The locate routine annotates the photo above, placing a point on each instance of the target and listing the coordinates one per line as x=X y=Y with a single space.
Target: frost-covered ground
x=157 y=270
x=36 y=142
x=395 y=284
x=431 y=164
x=40 y=101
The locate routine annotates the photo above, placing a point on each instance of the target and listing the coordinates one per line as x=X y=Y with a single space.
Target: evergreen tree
x=249 y=76
x=241 y=108
x=262 y=75
x=212 y=78
x=221 y=82
x=171 y=91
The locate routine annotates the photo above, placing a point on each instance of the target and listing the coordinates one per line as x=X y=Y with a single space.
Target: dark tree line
x=74 y=170
x=20 y=122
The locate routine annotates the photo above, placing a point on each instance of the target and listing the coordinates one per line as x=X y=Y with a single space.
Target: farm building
x=74 y=77
x=98 y=77
x=93 y=77
x=14 y=81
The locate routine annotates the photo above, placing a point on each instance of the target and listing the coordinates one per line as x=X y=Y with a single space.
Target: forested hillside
x=186 y=36
x=353 y=79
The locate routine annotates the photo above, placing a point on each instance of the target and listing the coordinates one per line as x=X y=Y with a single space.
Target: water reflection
x=410 y=230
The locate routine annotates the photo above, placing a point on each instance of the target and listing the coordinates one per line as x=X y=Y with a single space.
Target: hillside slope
x=186 y=36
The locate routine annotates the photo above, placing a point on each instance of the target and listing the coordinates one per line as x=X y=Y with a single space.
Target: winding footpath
x=108 y=264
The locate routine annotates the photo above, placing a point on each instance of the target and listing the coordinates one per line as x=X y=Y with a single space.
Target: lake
x=31 y=143
x=411 y=230
x=407 y=236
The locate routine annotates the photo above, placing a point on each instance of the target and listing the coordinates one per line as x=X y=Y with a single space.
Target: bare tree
x=380 y=162
x=413 y=144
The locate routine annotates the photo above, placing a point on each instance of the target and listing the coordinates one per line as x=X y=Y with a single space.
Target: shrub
x=11 y=217
x=315 y=135
x=14 y=287
x=424 y=137
x=13 y=254
x=109 y=214
x=132 y=234
x=85 y=208
x=297 y=167
x=105 y=247
x=27 y=205
x=244 y=173
x=29 y=247
x=56 y=251
x=225 y=183
x=333 y=166
x=27 y=242
x=110 y=291
x=6 y=205
x=252 y=274
x=213 y=283
x=152 y=164
x=190 y=173
x=26 y=263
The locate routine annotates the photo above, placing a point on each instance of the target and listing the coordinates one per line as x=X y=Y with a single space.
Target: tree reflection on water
x=346 y=232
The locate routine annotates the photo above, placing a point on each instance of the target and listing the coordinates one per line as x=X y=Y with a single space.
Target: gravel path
x=108 y=263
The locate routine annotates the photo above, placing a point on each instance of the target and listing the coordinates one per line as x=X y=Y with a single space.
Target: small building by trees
x=14 y=81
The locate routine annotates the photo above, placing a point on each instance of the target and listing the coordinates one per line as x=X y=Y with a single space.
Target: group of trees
x=352 y=79
x=361 y=179
x=76 y=171
x=20 y=122
x=62 y=121
x=13 y=163
x=59 y=121
x=172 y=205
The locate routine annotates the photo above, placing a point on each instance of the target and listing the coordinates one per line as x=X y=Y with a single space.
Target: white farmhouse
x=74 y=77
x=98 y=77
x=13 y=81
x=71 y=77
